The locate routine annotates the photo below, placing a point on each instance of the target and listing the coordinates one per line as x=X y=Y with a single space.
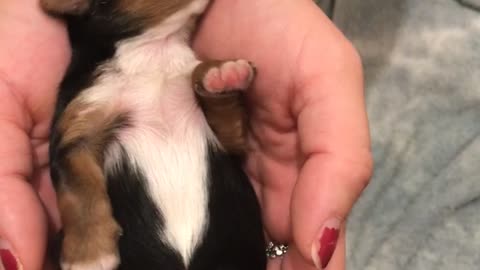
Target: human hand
x=310 y=149
x=33 y=56
x=289 y=90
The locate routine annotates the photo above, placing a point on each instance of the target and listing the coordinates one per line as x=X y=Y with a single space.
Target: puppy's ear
x=65 y=7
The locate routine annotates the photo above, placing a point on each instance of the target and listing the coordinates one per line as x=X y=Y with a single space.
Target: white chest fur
x=150 y=79
x=168 y=143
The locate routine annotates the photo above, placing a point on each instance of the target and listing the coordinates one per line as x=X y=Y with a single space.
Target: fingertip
x=301 y=259
x=8 y=259
x=323 y=197
x=22 y=224
x=325 y=243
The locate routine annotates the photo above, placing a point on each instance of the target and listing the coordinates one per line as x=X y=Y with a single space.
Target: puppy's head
x=143 y=12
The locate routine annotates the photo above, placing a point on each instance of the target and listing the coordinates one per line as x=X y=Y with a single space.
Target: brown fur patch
x=151 y=12
x=83 y=124
x=225 y=112
x=74 y=7
x=90 y=230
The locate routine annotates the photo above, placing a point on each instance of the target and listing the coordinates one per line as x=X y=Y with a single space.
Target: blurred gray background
x=422 y=68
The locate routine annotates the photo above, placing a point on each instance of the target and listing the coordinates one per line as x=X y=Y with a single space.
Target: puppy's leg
x=90 y=231
x=62 y=7
x=219 y=87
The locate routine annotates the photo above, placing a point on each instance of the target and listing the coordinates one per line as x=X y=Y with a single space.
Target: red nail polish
x=324 y=247
x=8 y=260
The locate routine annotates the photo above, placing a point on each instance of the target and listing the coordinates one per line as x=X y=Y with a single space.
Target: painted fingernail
x=8 y=261
x=324 y=246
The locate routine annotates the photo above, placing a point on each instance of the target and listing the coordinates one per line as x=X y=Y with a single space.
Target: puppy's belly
x=166 y=142
x=181 y=203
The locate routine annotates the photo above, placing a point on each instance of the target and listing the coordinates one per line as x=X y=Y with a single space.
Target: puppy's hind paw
x=228 y=76
x=91 y=247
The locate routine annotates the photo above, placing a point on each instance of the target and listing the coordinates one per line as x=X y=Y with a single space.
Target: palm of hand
x=273 y=139
x=294 y=49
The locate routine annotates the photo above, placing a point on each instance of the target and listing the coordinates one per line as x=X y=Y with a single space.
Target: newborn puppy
x=145 y=144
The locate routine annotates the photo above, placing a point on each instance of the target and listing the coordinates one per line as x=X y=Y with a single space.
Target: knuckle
x=348 y=58
x=354 y=55
x=350 y=53
x=363 y=170
x=357 y=170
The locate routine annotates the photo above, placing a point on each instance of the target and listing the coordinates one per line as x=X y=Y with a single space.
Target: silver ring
x=276 y=250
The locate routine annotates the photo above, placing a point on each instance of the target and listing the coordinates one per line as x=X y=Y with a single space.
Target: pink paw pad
x=232 y=75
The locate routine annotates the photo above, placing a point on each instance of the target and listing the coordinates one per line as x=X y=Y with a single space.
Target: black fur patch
x=141 y=221
x=234 y=238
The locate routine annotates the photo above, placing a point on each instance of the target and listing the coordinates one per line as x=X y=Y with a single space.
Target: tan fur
x=225 y=112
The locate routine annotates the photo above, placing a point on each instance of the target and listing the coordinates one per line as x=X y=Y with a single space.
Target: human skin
x=310 y=150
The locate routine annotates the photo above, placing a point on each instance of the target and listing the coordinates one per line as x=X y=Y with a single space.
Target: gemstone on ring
x=276 y=250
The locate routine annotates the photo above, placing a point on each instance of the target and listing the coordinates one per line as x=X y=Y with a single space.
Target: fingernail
x=325 y=244
x=8 y=261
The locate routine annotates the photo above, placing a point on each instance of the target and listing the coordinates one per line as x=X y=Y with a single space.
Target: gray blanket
x=422 y=64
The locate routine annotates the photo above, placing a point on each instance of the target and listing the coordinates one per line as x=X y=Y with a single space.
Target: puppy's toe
x=229 y=76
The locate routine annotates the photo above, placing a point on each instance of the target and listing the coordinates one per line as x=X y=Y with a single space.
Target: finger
x=43 y=186
x=338 y=261
x=334 y=138
x=22 y=222
x=294 y=259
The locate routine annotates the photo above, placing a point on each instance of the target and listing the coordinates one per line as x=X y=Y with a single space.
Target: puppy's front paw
x=92 y=247
x=228 y=76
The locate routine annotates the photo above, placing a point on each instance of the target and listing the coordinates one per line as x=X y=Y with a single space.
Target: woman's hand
x=309 y=136
x=33 y=56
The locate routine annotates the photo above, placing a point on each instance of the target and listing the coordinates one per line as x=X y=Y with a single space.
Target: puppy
x=146 y=142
